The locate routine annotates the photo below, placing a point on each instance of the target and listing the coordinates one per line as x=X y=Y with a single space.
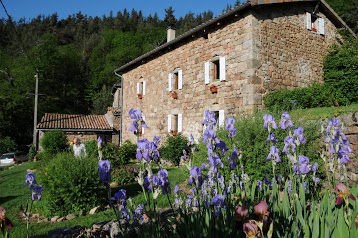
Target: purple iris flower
x=36 y=193
x=274 y=154
x=271 y=137
x=136 y=117
x=195 y=174
x=156 y=140
x=209 y=119
x=222 y=146
x=176 y=189
x=99 y=142
x=138 y=214
x=104 y=167
x=233 y=159
x=289 y=186
x=164 y=181
x=285 y=121
x=298 y=133
x=218 y=202
x=343 y=154
x=289 y=143
x=121 y=195
x=269 y=120
x=316 y=180
x=303 y=164
x=259 y=183
x=230 y=127
x=30 y=180
x=333 y=124
x=314 y=167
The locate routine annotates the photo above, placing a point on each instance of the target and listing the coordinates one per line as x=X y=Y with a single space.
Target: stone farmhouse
x=226 y=65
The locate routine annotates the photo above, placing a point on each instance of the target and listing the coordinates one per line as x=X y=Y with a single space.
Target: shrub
x=340 y=70
x=7 y=144
x=124 y=174
x=54 y=142
x=32 y=152
x=72 y=184
x=317 y=95
x=91 y=148
x=110 y=151
x=173 y=148
x=126 y=152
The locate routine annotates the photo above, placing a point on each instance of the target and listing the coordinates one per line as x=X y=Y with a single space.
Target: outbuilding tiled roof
x=74 y=122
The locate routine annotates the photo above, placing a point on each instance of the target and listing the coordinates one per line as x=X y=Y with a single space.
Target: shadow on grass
x=6 y=199
x=132 y=189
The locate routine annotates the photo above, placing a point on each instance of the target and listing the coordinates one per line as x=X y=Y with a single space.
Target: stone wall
x=290 y=55
x=265 y=49
x=350 y=122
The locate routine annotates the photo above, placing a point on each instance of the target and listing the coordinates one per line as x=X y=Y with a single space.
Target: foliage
x=124 y=174
x=110 y=151
x=32 y=152
x=6 y=145
x=54 y=142
x=340 y=70
x=72 y=184
x=313 y=96
x=126 y=152
x=173 y=148
x=91 y=148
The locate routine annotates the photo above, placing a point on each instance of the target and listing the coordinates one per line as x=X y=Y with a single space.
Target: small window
x=175 y=80
x=141 y=87
x=175 y=123
x=315 y=23
x=215 y=70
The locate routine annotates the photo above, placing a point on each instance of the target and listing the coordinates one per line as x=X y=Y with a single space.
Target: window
x=215 y=70
x=175 y=80
x=315 y=23
x=175 y=123
x=141 y=88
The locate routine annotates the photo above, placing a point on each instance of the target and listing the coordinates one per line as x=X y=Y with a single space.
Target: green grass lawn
x=13 y=193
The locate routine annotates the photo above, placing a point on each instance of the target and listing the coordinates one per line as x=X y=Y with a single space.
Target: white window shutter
x=138 y=88
x=169 y=122
x=180 y=122
x=143 y=118
x=207 y=72
x=222 y=66
x=170 y=82
x=180 y=79
x=143 y=87
x=321 y=26
x=221 y=118
x=308 y=21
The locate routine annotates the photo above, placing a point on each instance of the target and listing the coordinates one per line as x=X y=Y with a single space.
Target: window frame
x=215 y=70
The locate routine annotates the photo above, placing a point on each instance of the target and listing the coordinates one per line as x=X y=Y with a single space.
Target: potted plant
x=173 y=132
x=213 y=88
x=139 y=96
x=174 y=94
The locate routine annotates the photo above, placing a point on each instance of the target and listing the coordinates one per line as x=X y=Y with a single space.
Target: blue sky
x=32 y=8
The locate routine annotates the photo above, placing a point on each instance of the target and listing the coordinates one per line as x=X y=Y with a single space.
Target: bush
x=54 y=142
x=317 y=95
x=173 y=148
x=91 y=149
x=32 y=152
x=126 y=152
x=7 y=144
x=110 y=151
x=340 y=70
x=71 y=185
x=124 y=174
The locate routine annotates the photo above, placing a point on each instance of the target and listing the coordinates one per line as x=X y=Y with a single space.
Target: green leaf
x=316 y=224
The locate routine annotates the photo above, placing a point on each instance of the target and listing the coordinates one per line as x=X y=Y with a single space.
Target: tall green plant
x=54 y=142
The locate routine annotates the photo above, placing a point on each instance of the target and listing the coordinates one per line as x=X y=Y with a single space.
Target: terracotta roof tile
x=73 y=121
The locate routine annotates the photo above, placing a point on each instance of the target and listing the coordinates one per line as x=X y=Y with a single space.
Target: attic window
x=315 y=23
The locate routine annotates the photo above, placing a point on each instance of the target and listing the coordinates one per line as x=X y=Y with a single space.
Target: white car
x=12 y=158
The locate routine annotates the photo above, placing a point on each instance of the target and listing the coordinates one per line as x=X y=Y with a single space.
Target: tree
x=169 y=19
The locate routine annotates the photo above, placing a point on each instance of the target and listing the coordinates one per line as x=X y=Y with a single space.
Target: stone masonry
x=265 y=48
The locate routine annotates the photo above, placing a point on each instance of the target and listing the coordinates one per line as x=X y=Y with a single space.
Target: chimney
x=170 y=33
